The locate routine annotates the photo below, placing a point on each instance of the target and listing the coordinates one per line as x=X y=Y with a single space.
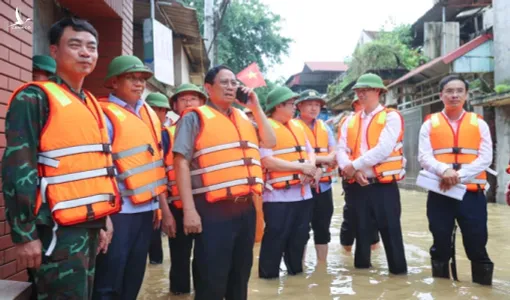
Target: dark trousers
x=156 y=247
x=347 y=229
x=223 y=252
x=286 y=233
x=180 y=256
x=382 y=203
x=119 y=272
x=471 y=215
x=321 y=216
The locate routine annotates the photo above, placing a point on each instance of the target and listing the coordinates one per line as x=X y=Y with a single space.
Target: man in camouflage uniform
x=68 y=273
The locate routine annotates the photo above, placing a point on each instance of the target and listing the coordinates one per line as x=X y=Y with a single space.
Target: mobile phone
x=241 y=96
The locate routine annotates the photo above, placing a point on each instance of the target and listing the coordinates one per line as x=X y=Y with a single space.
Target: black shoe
x=153 y=262
x=481 y=273
x=440 y=269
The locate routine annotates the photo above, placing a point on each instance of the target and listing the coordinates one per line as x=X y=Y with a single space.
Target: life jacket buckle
x=317 y=150
x=248 y=161
x=301 y=160
x=243 y=144
x=112 y=200
x=151 y=150
x=107 y=148
x=252 y=180
x=111 y=171
x=299 y=149
x=456 y=166
x=456 y=150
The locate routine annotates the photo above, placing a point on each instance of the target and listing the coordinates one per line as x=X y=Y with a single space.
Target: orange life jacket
x=460 y=148
x=227 y=152
x=340 y=124
x=319 y=139
x=392 y=168
x=174 y=197
x=137 y=152
x=290 y=146
x=76 y=175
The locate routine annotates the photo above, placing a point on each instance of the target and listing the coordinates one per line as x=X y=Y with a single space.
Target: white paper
x=430 y=182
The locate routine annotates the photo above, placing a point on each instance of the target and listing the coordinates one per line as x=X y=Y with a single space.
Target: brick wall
x=114 y=21
x=15 y=68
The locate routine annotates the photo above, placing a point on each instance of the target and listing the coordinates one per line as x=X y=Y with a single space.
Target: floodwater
x=338 y=279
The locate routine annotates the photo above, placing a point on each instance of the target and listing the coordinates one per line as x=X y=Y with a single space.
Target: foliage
x=249 y=32
x=391 y=50
x=502 y=88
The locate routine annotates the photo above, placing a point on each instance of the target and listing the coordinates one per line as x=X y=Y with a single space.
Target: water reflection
x=338 y=278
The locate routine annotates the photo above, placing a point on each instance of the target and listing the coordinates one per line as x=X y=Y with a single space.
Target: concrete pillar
x=502 y=75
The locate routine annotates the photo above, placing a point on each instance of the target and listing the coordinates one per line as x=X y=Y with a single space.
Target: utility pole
x=209 y=30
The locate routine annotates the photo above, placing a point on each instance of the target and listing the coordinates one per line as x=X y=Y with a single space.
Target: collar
x=312 y=125
x=114 y=99
x=209 y=103
x=60 y=81
x=372 y=114
x=446 y=116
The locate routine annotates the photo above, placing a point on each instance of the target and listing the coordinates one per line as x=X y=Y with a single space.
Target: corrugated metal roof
x=444 y=60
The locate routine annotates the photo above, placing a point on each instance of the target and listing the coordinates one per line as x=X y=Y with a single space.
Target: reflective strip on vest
x=283 y=179
x=392 y=159
x=289 y=150
x=476 y=181
x=140 y=169
x=48 y=157
x=489 y=170
x=172 y=199
x=332 y=173
x=398 y=146
x=321 y=150
x=77 y=150
x=391 y=173
x=224 y=147
x=224 y=185
x=45 y=181
x=145 y=188
x=226 y=165
x=169 y=168
x=71 y=204
x=452 y=150
x=171 y=183
x=132 y=151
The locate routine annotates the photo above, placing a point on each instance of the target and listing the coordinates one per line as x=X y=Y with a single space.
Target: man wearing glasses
x=135 y=134
x=370 y=156
x=218 y=174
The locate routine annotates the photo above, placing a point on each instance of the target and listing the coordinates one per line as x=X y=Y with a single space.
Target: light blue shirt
x=127 y=206
x=325 y=186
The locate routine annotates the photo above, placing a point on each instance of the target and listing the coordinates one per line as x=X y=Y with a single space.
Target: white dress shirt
x=430 y=163
x=368 y=158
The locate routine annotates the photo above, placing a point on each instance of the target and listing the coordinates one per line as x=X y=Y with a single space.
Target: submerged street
x=339 y=280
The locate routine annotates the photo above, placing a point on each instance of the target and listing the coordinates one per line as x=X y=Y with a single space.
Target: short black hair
x=57 y=29
x=211 y=74
x=450 y=78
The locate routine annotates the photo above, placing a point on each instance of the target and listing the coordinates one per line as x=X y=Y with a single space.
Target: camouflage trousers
x=69 y=272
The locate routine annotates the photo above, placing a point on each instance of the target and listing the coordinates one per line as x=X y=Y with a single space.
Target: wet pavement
x=339 y=280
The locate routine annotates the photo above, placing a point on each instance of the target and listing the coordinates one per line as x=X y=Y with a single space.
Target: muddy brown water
x=338 y=279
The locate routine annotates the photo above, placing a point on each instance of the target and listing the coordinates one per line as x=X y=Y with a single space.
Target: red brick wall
x=15 y=68
x=114 y=21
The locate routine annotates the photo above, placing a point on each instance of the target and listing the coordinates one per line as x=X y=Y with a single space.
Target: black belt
x=241 y=199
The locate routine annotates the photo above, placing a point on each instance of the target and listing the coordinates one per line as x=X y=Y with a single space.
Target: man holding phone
x=218 y=173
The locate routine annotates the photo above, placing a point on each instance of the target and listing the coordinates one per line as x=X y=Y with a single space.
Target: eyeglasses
x=226 y=82
x=134 y=79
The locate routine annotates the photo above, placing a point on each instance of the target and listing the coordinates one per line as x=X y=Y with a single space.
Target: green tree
x=249 y=32
x=391 y=50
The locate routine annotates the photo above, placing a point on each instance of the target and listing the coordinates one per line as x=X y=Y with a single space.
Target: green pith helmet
x=187 y=87
x=157 y=100
x=369 y=80
x=125 y=64
x=310 y=95
x=44 y=63
x=277 y=96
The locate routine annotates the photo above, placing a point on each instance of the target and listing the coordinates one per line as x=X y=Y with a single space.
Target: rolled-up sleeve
x=185 y=135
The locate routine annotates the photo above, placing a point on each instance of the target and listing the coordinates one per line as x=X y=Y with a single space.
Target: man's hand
x=168 y=225
x=332 y=163
x=192 y=222
x=317 y=178
x=156 y=219
x=29 y=254
x=450 y=178
x=105 y=237
x=308 y=169
x=361 y=178
x=507 y=193
x=305 y=179
x=349 y=171
x=253 y=100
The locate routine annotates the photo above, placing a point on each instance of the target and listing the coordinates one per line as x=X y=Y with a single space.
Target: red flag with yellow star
x=251 y=76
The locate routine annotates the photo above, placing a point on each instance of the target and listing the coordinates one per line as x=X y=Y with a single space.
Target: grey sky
x=327 y=30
